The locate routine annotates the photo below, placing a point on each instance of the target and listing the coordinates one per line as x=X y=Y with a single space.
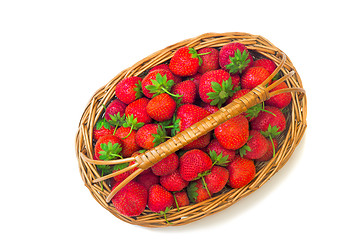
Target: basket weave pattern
x=289 y=139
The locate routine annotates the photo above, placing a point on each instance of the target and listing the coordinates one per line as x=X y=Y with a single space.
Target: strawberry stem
x=201 y=54
x=205 y=185
x=273 y=146
x=132 y=126
x=177 y=205
x=171 y=94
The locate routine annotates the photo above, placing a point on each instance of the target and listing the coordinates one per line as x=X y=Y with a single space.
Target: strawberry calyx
x=163 y=213
x=194 y=54
x=120 y=166
x=218 y=159
x=116 y=120
x=160 y=136
x=131 y=122
x=160 y=85
x=244 y=149
x=254 y=111
x=110 y=151
x=102 y=123
x=192 y=191
x=271 y=133
x=138 y=90
x=220 y=92
x=239 y=62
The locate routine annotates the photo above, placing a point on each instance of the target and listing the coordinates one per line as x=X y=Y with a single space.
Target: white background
x=55 y=54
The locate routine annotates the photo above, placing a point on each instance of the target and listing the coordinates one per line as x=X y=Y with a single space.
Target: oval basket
x=288 y=140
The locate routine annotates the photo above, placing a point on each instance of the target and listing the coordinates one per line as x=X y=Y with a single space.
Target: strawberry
x=160 y=200
x=215 y=87
x=241 y=172
x=108 y=147
x=138 y=109
x=116 y=107
x=166 y=166
x=233 y=133
x=280 y=100
x=273 y=120
x=157 y=82
x=197 y=191
x=217 y=179
x=173 y=182
x=270 y=152
x=196 y=79
x=268 y=64
x=187 y=91
x=237 y=94
x=235 y=80
x=127 y=136
x=210 y=61
x=187 y=115
x=129 y=89
x=214 y=149
x=148 y=179
x=150 y=135
x=181 y=199
x=102 y=128
x=131 y=199
x=165 y=66
x=185 y=62
x=255 y=147
x=161 y=107
x=235 y=58
x=193 y=164
x=253 y=77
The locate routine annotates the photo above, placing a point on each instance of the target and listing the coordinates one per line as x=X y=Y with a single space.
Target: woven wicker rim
x=296 y=125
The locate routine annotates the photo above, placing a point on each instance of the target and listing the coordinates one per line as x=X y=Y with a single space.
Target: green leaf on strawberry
x=218 y=159
x=244 y=149
x=192 y=191
x=239 y=62
x=116 y=119
x=120 y=166
x=110 y=151
x=132 y=123
x=272 y=131
x=220 y=92
x=163 y=213
x=138 y=90
x=160 y=136
x=160 y=85
x=102 y=123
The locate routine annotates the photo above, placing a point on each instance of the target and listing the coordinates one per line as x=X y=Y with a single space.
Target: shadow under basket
x=288 y=140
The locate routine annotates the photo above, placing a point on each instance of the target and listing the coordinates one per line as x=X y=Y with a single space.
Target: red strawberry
x=161 y=107
x=266 y=121
x=270 y=150
x=235 y=79
x=255 y=147
x=281 y=100
x=173 y=182
x=217 y=179
x=215 y=87
x=150 y=135
x=165 y=66
x=181 y=199
x=187 y=91
x=166 y=166
x=116 y=107
x=129 y=89
x=148 y=179
x=241 y=172
x=127 y=136
x=131 y=199
x=208 y=107
x=253 y=77
x=219 y=149
x=233 y=133
x=194 y=163
x=108 y=147
x=187 y=115
x=102 y=128
x=157 y=82
x=197 y=191
x=185 y=62
x=159 y=199
x=196 y=79
x=210 y=59
x=265 y=63
x=138 y=109
x=235 y=58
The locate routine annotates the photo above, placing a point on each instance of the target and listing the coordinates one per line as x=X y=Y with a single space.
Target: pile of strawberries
x=171 y=97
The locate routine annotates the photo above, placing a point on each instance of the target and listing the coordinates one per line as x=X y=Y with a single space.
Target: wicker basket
x=289 y=139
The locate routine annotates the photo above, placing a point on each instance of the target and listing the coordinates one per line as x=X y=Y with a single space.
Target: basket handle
x=233 y=109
